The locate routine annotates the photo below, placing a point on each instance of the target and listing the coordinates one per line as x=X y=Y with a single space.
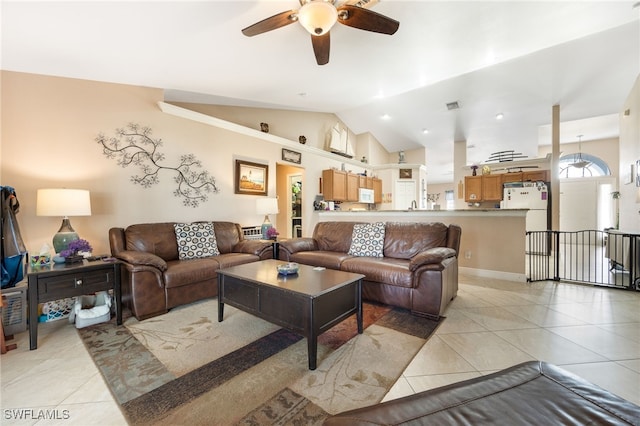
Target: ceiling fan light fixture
x=318 y=16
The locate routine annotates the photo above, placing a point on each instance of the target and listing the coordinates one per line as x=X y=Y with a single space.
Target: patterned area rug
x=186 y=368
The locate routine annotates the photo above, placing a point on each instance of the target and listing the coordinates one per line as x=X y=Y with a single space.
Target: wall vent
x=453 y=105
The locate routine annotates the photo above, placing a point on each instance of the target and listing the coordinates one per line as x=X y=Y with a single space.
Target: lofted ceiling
x=517 y=58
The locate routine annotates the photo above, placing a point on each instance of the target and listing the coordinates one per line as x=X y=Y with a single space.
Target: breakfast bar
x=493 y=242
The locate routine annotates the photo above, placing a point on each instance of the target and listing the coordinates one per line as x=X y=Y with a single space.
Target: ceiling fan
x=318 y=16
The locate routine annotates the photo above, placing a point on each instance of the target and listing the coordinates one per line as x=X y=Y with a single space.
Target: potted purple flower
x=272 y=233
x=75 y=250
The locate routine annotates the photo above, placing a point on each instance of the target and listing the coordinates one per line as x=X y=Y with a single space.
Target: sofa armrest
x=137 y=258
x=296 y=245
x=431 y=256
x=257 y=247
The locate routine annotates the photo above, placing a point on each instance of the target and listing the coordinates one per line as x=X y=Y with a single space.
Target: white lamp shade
x=63 y=202
x=267 y=206
x=317 y=17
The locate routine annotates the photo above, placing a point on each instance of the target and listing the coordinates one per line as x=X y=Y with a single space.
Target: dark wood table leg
x=32 y=294
x=312 y=348
x=359 y=302
x=117 y=270
x=220 y=304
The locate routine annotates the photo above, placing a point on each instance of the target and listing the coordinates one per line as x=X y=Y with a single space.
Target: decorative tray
x=288 y=268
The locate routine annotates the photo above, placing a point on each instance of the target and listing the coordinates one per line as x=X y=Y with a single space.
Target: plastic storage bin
x=90 y=310
x=14 y=313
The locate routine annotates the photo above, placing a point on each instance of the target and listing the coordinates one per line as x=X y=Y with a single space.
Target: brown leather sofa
x=154 y=280
x=419 y=270
x=531 y=393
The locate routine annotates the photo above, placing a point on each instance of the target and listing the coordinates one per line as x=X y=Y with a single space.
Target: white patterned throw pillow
x=196 y=240
x=367 y=239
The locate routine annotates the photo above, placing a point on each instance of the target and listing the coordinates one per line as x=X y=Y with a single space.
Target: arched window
x=582 y=165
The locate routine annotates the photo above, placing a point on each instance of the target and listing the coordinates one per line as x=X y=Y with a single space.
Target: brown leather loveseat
x=418 y=270
x=155 y=279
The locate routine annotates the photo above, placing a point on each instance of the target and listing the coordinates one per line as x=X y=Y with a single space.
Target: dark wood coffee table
x=308 y=303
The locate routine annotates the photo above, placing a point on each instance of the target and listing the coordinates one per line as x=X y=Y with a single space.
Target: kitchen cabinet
x=536 y=175
x=491 y=188
x=377 y=190
x=511 y=177
x=482 y=188
x=530 y=176
x=353 y=182
x=338 y=185
x=334 y=185
x=473 y=189
x=365 y=182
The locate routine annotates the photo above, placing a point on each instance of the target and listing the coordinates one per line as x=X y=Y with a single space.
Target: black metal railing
x=609 y=258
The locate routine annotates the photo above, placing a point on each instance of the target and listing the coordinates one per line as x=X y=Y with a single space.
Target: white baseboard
x=487 y=273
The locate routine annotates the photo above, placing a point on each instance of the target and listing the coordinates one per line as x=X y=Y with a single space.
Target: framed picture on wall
x=405 y=173
x=251 y=178
x=637 y=173
x=291 y=156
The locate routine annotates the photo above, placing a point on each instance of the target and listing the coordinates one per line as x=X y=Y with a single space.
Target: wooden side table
x=59 y=281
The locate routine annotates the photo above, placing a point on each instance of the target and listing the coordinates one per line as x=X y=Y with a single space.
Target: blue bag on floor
x=12 y=246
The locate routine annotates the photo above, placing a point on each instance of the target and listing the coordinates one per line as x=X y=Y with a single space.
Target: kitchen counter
x=431 y=213
x=493 y=240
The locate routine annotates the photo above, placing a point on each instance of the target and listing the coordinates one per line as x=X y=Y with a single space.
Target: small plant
x=75 y=247
x=433 y=197
x=616 y=195
x=272 y=233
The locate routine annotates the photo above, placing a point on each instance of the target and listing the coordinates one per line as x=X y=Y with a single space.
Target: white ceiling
x=518 y=58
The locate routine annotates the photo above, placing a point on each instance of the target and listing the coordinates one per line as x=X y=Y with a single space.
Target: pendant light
x=579 y=163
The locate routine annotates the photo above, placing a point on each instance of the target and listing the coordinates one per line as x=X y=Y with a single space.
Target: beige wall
x=630 y=153
x=605 y=149
x=49 y=126
x=284 y=123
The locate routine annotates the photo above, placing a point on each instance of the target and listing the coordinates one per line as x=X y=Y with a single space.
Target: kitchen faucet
x=414 y=205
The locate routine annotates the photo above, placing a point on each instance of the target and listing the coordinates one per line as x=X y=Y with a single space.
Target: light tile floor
x=591 y=331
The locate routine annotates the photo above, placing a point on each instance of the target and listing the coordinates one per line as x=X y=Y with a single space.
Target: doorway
x=404 y=195
x=289 y=189
x=295 y=185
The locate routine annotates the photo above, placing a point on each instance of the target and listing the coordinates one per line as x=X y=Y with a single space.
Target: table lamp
x=65 y=203
x=266 y=206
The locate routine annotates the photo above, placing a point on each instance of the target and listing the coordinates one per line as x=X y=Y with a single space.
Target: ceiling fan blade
x=321 y=46
x=271 y=23
x=365 y=19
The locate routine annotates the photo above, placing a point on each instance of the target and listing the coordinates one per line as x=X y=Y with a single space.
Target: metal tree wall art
x=134 y=145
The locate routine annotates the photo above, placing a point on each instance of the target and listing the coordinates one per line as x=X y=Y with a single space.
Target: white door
x=578 y=202
x=404 y=194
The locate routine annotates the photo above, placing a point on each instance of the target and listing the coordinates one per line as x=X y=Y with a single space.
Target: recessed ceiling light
x=386 y=117
x=425 y=131
x=499 y=116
